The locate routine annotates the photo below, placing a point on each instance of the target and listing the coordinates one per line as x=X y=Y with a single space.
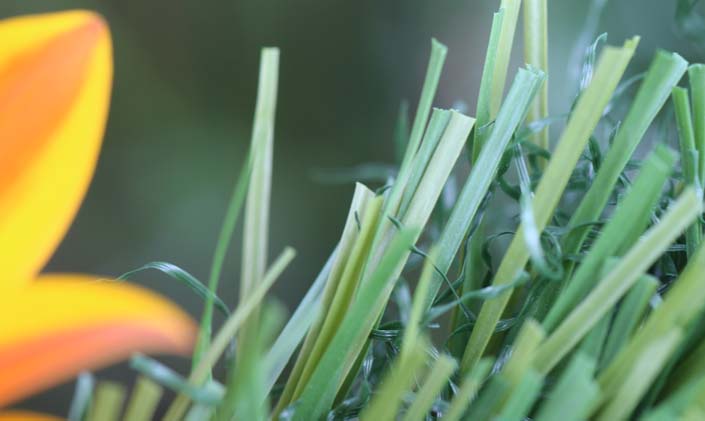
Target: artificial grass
x=594 y=312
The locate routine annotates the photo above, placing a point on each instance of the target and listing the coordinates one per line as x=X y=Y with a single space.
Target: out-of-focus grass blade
x=436 y=378
x=574 y=393
x=630 y=312
x=85 y=383
x=571 y=144
x=209 y=394
x=644 y=370
x=398 y=380
x=523 y=397
x=144 y=400
x=107 y=403
x=468 y=390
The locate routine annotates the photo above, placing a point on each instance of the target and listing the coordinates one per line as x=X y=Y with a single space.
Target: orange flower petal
x=55 y=79
x=26 y=416
x=63 y=324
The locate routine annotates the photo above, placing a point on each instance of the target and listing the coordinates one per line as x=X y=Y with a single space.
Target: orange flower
x=55 y=80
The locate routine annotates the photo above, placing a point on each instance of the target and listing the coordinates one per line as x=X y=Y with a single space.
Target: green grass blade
x=647 y=366
x=491 y=399
x=436 y=379
x=107 y=404
x=438 y=123
x=483 y=99
x=664 y=73
x=574 y=393
x=186 y=278
x=144 y=400
x=229 y=329
x=246 y=395
x=468 y=390
x=611 y=288
x=536 y=55
x=630 y=312
x=350 y=338
x=428 y=92
x=299 y=323
x=226 y=231
x=689 y=158
x=504 y=52
x=522 y=397
x=623 y=228
x=510 y=116
x=528 y=340
x=398 y=380
x=696 y=77
x=582 y=122
x=256 y=220
x=85 y=383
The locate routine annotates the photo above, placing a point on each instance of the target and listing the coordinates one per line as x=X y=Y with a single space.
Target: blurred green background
x=183 y=99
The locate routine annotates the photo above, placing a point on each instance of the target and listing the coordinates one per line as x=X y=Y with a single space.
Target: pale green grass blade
x=696 y=77
x=582 y=122
x=146 y=395
x=645 y=369
x=107 y=403
x=629 y=314
x=664 y=73
x=229 y=329
x=689 y=158
x=256 y=220
x=468 y=390
x=398 y=380
x=246 y=397
x=528 y=340
x=343 y=299
x=361 y=222
x=456 y=229
x=85 y=383
x=679 y=308
x=436 y=379
x=536 y=55
x=574 y=393
x=522 y=398
x=490 y=400
x=320 y=391
x=611 y=288
x=483 y=98
x=428 y=92
x=231 y=216
x=438 y=123
x=413 y=326
x=299 y=323
x=504 y=52
x=623 y=228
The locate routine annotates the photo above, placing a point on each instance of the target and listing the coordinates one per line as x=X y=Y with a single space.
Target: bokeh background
x=182 y=108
